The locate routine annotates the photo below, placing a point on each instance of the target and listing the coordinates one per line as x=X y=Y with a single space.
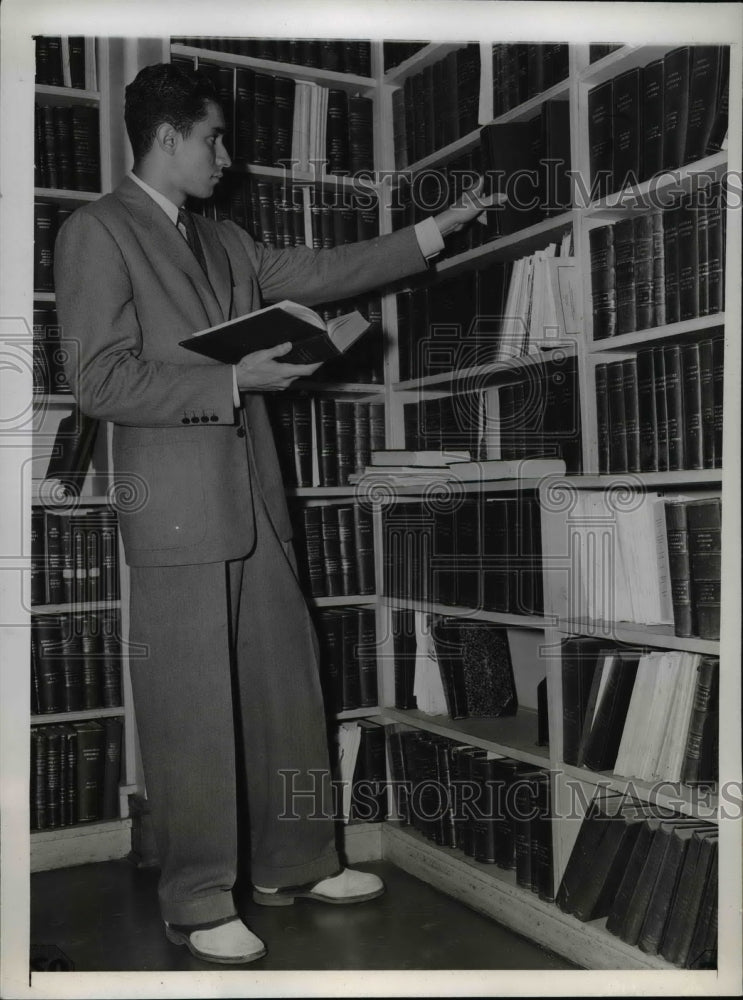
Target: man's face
x=201 y=157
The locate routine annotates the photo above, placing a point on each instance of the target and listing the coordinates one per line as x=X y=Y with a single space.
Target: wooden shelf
x=345 y=81
x=65 y=194
x=321 y=492
x=54 y=399
x=464 y=144
x=511 y=736
x=305 y=178
x=640 y=338
x=44 y=94
x=50 y=718
x=647 y=194
x=375 y=490
x=342 y=602
x=699 y=802
x=641 y=635
x=349 y=714
x=527 y=110
x=494 y=892
x=623 y=59
x=567 y=349
x=641 y=480
x=59 y=609
x=44 y=297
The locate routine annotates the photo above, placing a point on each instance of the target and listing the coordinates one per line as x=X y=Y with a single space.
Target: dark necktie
x=192 y=237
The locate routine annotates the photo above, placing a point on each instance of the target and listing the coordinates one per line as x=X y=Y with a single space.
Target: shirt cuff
x=235 y=390
x=429 y=237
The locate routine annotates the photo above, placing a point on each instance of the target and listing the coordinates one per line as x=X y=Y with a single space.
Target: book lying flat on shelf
x=463 y=472
x=398 y=457
x=312 y=339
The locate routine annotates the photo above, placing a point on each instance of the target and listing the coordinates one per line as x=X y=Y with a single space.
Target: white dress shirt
x=428 y=234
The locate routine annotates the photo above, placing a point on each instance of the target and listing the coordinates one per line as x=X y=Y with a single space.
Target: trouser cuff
x=206 y=909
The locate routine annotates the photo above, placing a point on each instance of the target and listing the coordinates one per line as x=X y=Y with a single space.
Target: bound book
x=313 y=340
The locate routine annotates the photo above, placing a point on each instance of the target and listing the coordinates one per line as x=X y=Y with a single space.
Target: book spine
x=346 y=540
x=671 y=218
x=674 y=406
x=603 y=287
x=704 y=523
x=704 y=712
x=600 y=139
x=331 y=551
x=677 y=535
x=602 y=414
x=325 y=411
x=90 y=763
x=688 y=262
x=109 y=804
x=692 y=406
x=110 y=645
x=617 y=418
x=675 y=106
x=631 y=413
x=652 y=119
x=703 y=89
x=626 y=146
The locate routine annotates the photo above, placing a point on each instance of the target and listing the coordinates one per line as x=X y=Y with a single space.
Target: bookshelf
x=55 y=844
x=486 y=887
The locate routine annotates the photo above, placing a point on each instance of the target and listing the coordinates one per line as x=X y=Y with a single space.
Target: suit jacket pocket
x=160 y=495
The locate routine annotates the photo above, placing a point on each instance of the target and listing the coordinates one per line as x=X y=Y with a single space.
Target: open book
x=312 y=339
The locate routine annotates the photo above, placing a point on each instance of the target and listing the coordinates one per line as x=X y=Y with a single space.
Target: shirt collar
x=165 y=204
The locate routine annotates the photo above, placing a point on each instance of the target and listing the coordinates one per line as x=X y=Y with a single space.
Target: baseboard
x=68 y=846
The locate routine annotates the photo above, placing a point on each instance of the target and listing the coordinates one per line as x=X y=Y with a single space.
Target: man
x=229 y=683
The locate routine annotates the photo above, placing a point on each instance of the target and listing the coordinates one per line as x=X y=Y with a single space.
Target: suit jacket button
x=205 y=420
x=241 y=432
x=185 y=420
x=194 y=420
x=214 y=418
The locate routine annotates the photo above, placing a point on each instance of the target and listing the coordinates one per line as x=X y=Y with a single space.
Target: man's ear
x=167 y=137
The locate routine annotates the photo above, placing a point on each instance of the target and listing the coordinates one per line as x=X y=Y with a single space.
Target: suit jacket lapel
x=171 y=244
x=217 y=265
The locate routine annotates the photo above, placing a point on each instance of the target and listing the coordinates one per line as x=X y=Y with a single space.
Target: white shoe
x=230 y=943
x=349 y=886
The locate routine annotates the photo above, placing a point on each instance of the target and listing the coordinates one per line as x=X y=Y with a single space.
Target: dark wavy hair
x=164 y=93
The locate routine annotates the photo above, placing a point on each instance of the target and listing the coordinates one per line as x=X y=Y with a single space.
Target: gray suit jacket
x=128 y=290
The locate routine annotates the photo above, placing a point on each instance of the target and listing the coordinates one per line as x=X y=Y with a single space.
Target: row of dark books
x=496 y=810
x=361 y=766
x=436 y=106
x=335 y=550
x=346 y=56
x=523 y=71
x=348 y=657
x=693 y=532
x=475 y=552
x=395 y=53
x=74 y=556
x=536 y=417
x=669 y=113
x=652 y=874
x=75 y=661
x=529 y=162
x=646 y=714
x=48 y=218
x=51 y=351
x=321 y=440
x=661 y=267
x=66 y=62
x=75 y=773
x=273 y=213
x=662 y=410
x=67 y=151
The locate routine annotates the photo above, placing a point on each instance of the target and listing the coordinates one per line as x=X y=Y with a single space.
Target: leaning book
x=313 y=340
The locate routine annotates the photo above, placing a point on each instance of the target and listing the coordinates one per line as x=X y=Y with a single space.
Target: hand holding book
x=262 y=371
x=472 y=204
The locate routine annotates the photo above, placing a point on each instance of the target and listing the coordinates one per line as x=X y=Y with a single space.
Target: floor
x=104 y=917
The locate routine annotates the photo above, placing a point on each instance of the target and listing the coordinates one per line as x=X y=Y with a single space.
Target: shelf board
x=47 y=95
x=494 y=892
x=567 y=350
x=77 y=608
x=527 y=110
x=426 y=56
x=641 y=635
x=646 y=195
x=346 y=81
x=656 y=480
x=375 y=490
x=50 y=718
x=321 y=492
x=349 y=714
x=522 y=243
x=283 y=175
x=512 y=735
x=642 y=337
x=694 y=801
x=73 y=501
x=342 y=602
x=65 y=194
x=54 y=399
x=45 y=297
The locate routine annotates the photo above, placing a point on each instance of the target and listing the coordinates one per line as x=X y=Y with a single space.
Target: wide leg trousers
x=229 y=685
